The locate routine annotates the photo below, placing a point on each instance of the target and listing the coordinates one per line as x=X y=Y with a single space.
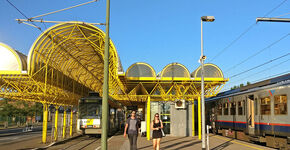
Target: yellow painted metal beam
x=64 y=124
x=44 y=124
x=148 y=118
x=56 y=123
x=71 y=122
x=199 y=118
x=193 y=121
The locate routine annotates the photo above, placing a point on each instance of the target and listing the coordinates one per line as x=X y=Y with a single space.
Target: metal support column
x=148 y=119
x=193 y=121
x=64 y=123
x=71 y=122
x=199 y=118
x=44 y=123
x=55 y=123
x=106 y=83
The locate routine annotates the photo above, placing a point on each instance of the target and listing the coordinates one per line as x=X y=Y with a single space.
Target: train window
x=226 y=109
x=219 y=109
x=265 y=106
x=280 y=104
x=233 y=108
x=240 y=108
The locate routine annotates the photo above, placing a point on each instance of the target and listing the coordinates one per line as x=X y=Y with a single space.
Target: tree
x=241 y=85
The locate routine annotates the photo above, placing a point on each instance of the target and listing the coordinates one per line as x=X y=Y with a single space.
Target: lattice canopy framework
x=174 y=82
x=66 y=62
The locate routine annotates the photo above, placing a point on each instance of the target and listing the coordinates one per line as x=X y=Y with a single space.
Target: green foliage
x=241 y=85
x=19 y=108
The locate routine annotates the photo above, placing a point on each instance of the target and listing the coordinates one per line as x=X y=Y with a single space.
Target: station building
x=176 y=114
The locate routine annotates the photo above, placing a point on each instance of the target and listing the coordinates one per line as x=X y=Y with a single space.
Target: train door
x=251 y=114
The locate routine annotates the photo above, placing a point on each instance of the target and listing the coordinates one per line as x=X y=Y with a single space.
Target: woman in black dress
x=156 y=126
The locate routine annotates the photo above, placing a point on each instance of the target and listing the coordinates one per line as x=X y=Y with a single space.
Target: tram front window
x=90 y=110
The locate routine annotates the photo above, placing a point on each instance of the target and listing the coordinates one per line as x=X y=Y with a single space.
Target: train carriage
x=258 y=112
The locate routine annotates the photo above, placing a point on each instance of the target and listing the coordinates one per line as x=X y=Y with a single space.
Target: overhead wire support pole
x=106 y=82
x=62 y=9
x=273 y=19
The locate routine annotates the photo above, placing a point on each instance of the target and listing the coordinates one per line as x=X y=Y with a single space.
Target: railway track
x=82 y=142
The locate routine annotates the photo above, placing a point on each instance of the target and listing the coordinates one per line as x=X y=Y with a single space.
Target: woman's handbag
x=163 y=134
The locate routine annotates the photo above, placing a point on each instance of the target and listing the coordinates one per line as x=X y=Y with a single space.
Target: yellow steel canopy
x=66 y=62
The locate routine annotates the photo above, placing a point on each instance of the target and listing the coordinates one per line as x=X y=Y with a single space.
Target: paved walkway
x=217 y=142
x=118 y=142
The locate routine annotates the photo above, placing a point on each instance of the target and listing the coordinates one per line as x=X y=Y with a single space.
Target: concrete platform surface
x=118 y=142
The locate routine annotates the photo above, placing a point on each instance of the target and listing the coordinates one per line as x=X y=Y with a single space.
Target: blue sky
x=160 y=32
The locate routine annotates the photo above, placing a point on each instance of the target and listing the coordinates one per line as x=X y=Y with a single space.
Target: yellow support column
x=199 y=119
x=55 y=123
x=44 y=123
x=148 y=119
x=71 y=122
x=193 y=121
x=76 y=126
x=64 y=123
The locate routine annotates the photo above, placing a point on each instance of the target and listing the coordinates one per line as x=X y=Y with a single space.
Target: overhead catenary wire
x=272 y=76
x=275 y=8
x=261 y=79
x=243 y=33
x=44 y=25
x=260 y=65
x=260 y=51
x=279 y=64
x=62 y=10
x=33 y=25
x=233 y=42
x=282 y=15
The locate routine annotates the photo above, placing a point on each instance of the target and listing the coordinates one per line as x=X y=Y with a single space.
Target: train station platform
x=217 y=142
x=119 y=142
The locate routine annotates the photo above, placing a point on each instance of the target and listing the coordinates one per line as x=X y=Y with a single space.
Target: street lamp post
x=202 y=58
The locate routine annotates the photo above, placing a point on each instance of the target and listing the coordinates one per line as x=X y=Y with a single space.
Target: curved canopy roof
x=140 y=69
x=64 y=63
x=210 y=71
x=75 y=50
x=11 y=61
x=175 y=70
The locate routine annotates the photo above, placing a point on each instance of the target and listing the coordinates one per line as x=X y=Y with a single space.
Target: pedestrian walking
x=157 y=127
x=132 y=127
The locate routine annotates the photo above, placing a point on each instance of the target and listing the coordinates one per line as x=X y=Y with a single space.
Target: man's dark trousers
x=133 y=141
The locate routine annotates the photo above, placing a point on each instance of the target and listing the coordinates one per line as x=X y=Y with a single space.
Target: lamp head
x=208 y=18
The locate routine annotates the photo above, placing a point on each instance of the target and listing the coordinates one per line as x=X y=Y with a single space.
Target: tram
x=90 y=115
